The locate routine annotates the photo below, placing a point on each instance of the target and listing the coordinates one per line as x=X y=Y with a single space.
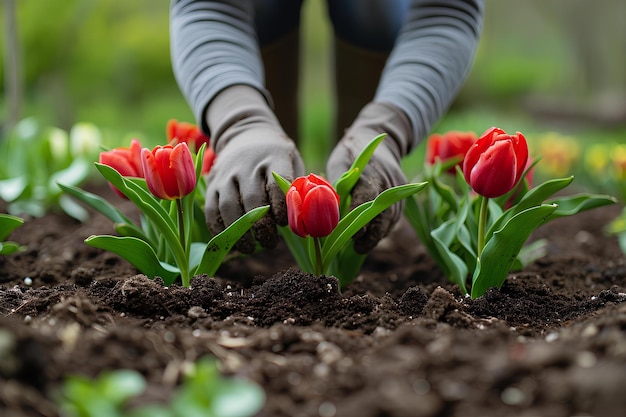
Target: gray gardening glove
x=383 y=170
x=249 y=143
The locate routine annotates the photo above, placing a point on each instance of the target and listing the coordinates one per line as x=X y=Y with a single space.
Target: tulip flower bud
x=169 y=171
x=312 y=206
x=126 y=161
x=453 y=144
x=495 y=162
x=191 y=134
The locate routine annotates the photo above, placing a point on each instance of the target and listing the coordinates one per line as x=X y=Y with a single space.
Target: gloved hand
x=383 y=170
x=249 y=143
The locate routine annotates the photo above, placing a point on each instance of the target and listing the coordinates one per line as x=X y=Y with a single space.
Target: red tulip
x=495 y=162
x=169 y=171
x=126 y=161
x=312 y=206
x=191 y=134
x=453 y=144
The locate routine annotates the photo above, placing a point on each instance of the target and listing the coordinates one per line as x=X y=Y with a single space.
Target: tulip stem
x=181 y=222
x=318 y=256
x=482 y=224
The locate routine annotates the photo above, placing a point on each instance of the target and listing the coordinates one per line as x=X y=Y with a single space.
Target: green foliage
x=36 y=158
x=446 y=219
x=8 y=224
x=116 y=42
x=155 y=247
x=336 y=251
x=203 y=393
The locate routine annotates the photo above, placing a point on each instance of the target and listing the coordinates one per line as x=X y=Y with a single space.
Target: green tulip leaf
x=8 y=224
x=7 y=248
x=137 y=192
x=568 y=206
x=360 y=216
x=298 y=247
x=142 y=198
x=455 y=267
x=196 y=252
x=445 y=192
x=121 y=385
x=417 y=217
x=198 y=162
x=237 y=398
x=138 y=253
x=12 y=188
x=131 y=230
x=73 y=209
x=97 y=203
x=283 y=184
x=502 y=249
x=348 y=180
x=221 y=244
x=534 y=197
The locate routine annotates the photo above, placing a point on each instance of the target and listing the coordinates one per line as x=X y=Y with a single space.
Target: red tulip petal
x=151 y=173
x=294 y=212
x=183 y=170
x=320 y=211
x=135 y=157
x=119 y=159
x=494 y=173
x=521 y=154
x=170 y=129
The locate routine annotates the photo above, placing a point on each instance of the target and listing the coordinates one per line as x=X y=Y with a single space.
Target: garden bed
x=399 y=341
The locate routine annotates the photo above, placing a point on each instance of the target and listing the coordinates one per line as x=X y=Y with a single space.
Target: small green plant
x=475 y=224
x=321 y=224
x=167 y=186
x=8 y=224
x=36 y=158
x=203 y=393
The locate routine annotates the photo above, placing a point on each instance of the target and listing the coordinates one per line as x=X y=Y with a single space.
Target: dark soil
x=399 y=341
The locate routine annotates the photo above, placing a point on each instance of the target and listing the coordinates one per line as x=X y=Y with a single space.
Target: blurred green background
x=543 y=66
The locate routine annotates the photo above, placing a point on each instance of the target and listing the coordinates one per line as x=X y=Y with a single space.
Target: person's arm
x=430 y=61
x=427 y=66
x=217 y=64
x=213 y=46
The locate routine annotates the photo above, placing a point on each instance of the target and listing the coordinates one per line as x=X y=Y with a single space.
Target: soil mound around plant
x=399 y=341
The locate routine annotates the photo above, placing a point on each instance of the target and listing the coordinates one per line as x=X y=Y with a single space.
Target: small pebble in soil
x=590 y=331
x=327 y=409
x=28 y=281
x=512 y=396
x=552 y=337
x=421 y=386
x=586 y=359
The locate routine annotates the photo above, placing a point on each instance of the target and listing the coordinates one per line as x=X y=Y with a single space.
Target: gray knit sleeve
x=213 y=46
x=430 y=60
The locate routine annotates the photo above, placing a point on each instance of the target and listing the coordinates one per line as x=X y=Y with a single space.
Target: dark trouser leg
x=278 y=29
x=357 y=72
x=365 y=31
x=281 y=61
